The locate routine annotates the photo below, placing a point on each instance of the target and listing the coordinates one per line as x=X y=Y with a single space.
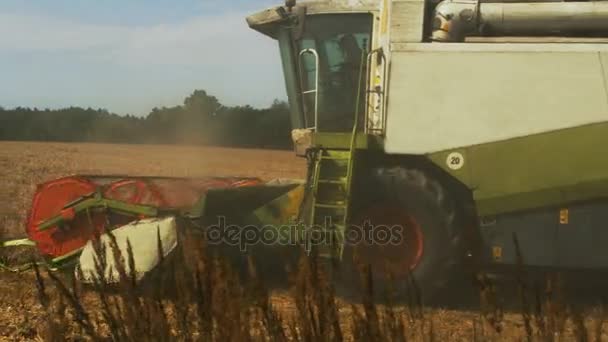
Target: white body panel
x=445 y=96
x=143 y=236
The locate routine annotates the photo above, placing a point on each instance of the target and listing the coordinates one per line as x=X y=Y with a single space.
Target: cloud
x=39 y=33
x=218 y=40
x=52 y=61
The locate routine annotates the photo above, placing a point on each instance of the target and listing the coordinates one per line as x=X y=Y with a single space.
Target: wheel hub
x=396 y=255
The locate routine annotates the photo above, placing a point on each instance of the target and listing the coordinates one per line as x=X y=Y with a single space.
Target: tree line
x=202 y=119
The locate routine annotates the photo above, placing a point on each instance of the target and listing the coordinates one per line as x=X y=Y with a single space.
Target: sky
x=129 y=56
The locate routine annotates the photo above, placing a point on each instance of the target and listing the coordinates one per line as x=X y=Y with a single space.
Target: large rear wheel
x=409 y=230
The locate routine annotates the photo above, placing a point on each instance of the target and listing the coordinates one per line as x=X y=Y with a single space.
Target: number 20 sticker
x=455 y=161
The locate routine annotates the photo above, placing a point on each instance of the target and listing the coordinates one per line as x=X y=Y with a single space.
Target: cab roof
x=266 y=21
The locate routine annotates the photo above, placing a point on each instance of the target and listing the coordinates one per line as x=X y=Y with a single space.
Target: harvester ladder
x=331 y=198
x=332 y=183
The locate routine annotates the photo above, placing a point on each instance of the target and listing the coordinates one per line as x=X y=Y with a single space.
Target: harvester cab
x=327 y=62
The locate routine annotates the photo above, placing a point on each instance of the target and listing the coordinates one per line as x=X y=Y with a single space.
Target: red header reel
x=66 y=213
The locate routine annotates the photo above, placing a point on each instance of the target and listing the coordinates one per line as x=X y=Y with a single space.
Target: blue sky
x=129 y=56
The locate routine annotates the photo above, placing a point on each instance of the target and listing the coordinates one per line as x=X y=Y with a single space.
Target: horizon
x=143 y=115
x=128 y=58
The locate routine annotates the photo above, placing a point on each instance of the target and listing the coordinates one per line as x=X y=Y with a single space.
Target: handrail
x=379 y=90
x=315 y=90
x=353 y=138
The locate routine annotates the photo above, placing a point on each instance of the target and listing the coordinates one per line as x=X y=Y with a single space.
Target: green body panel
x=547 y=169
x=280 y=211
x=343 y=141
x=250 y=205
x=269 y=207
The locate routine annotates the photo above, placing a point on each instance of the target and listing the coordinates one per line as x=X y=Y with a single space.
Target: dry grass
x=308 y=312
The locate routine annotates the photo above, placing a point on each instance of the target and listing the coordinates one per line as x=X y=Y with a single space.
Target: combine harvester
x=435 y=131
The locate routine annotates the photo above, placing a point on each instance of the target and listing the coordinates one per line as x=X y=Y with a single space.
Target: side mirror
x=295 y=20
x=299 y=19
x=290 y=4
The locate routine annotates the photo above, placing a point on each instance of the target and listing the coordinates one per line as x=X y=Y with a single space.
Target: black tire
x=413 y=193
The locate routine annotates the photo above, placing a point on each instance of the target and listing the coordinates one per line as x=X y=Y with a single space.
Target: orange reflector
x=564 y=216
x=497 y=253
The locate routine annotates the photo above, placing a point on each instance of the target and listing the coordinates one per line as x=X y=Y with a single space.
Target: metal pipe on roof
x=454 y=20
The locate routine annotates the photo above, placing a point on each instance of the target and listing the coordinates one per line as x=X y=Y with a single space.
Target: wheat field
x=23 y=165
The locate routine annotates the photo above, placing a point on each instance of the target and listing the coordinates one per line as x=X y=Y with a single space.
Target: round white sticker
x=455 y=161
